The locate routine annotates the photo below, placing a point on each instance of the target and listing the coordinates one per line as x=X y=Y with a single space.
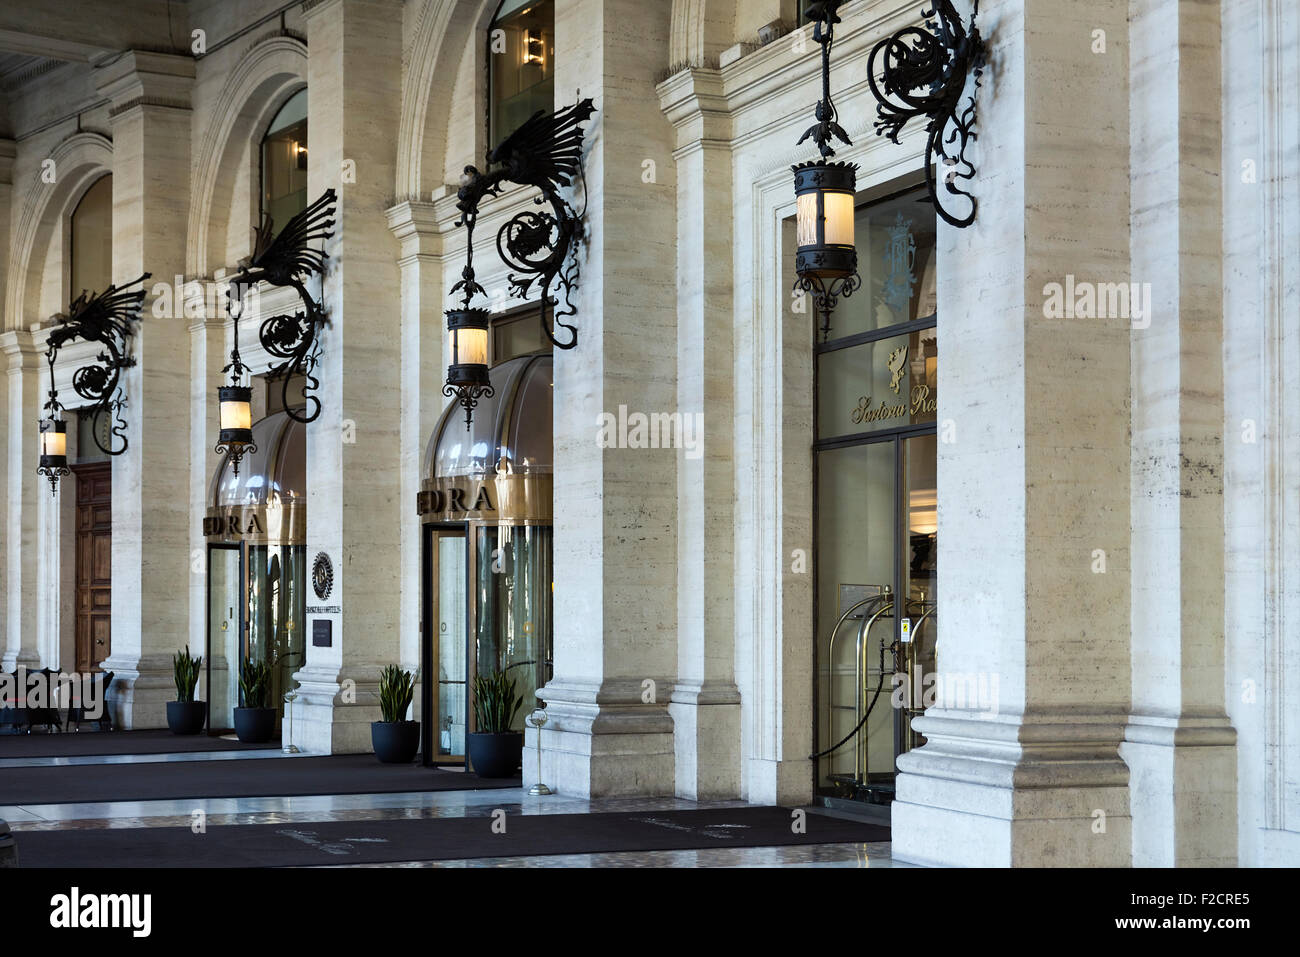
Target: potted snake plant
x=185 y=715
x=395 y=739
x=255 y=721
x=495 y=750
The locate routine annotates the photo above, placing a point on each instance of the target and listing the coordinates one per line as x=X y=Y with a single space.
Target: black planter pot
x=395 y=742
x=186 y=717
x=496 y=755
x=254 y=725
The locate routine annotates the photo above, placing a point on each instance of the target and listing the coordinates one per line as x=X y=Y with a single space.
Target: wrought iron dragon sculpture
x=922 y=72
x=109 y=318
x=541 y=245
x=287 y=259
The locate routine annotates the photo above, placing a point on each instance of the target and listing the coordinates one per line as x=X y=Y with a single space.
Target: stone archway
x=268 y=73
x=78 y=160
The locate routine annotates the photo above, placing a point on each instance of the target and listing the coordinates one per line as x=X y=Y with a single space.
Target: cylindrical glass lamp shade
x=824 y=195
x=469 y=347
x=54 y=443
x=236 y=404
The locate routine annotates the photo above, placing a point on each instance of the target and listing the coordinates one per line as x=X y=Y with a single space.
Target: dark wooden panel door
x=94 y=564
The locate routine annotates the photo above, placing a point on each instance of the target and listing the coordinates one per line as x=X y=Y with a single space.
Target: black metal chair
x=48 y=714
x=77 y=711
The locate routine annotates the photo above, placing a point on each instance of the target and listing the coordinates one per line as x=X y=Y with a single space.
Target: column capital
x=141 y=79
x=21 y=348
x=695 y=102
x=415 y=225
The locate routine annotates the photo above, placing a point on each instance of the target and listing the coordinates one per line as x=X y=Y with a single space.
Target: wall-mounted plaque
x=322 y=576
x=322 y=633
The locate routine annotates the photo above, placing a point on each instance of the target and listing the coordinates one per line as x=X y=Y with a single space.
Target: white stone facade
x=1150 y=713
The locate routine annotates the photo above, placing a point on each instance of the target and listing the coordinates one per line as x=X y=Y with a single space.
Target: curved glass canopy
x=276 y=474
x=510 y=432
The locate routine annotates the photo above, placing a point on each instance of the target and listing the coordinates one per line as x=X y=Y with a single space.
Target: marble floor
x=416 y=805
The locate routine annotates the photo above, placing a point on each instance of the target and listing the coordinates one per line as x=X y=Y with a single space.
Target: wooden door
x=94 y=564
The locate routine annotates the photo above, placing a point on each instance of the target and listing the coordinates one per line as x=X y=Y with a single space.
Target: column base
x=1034 y=790
x=601 y=740
x=706 y=740
x=1183 y=790
x=324 y=722
x=26 y=659
x=140 y=691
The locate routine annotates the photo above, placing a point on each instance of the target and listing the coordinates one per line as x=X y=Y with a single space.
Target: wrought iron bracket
x=288 y=260
x=108 y=318
x=542 y=245
x=920 y=72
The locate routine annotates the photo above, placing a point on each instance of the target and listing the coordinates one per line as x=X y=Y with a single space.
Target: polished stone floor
x=358 y=807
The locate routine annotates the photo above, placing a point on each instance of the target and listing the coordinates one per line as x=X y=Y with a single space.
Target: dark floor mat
x=437 y=839
x=85 y=743
x=252 y=777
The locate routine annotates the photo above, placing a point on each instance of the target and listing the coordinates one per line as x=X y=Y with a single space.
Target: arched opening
x=90 y=270
x=487 y=576
x=284 y=162
x=256 y=526
x=90 y=248
x=521 y=64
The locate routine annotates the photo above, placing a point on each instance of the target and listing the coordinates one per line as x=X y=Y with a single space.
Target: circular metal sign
x=322 y=576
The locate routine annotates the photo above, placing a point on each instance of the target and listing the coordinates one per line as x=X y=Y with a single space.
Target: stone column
x=705 y=702
x=1033 y=489
x=423 y=366
x=150 y=120
x=1179 y=745
x=207 y=357
x=354 y=505
x=24 y=363
x=609 y=729
x=8 y=152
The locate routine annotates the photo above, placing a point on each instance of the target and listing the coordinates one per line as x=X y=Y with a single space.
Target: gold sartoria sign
x=257 y=524
x=921 y=404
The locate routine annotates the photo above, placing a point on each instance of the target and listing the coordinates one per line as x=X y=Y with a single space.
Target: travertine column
x=1180 y=746
x=354 y=505
x=615 y=509
x=1033 y=492
x=207 y=358
x=23 y=361
x=422 y=371
x=150 y=118
x=8 y=151
x=705 y=703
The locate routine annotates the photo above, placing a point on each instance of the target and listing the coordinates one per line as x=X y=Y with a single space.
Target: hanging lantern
x=826 y=260
x=467 y=376
x=54 y=451
x=236 y=437
x=824 y=193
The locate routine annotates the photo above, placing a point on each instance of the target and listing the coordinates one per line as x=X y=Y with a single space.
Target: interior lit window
x=518 y=334
x=284 y=162
x=92 y=239
x=521 y=58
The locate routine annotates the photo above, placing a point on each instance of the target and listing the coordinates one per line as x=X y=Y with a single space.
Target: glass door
x=225 y=625
x=277 y=598
x=444 y=676
x=875 y=456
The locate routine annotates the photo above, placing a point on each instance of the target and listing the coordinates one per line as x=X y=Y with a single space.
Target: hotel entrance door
x=876 y=506
x=444 y=634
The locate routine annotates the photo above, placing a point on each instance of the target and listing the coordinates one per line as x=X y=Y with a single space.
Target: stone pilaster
x=23 y=364
x=1033 y=492
x=609 y=729
x=705 y=702
x=423 y=365
x=1179 y=745
x=207 y=358
x=353 y=503
x=149 y=115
